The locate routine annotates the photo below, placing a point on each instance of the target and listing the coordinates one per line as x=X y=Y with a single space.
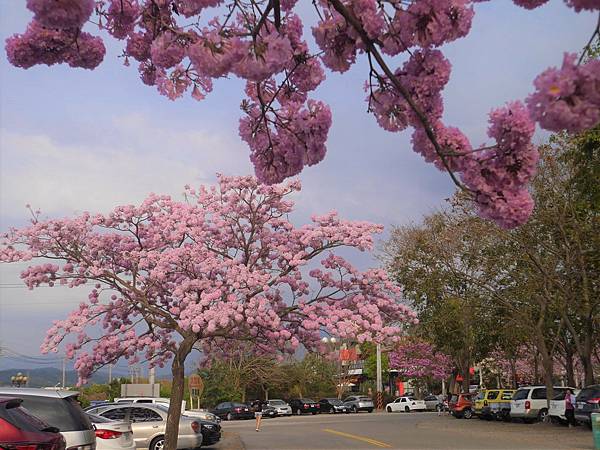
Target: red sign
x=459 y=378
x=348 y=355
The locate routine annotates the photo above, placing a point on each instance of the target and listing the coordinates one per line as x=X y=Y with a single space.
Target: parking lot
x=400 y=431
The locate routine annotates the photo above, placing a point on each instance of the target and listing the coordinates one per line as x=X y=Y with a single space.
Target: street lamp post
x=19 y=380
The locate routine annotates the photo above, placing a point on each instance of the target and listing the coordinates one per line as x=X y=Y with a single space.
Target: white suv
x=530 y=404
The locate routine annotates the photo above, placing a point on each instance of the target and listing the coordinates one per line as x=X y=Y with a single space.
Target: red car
x=461 y=406
x=19 y=430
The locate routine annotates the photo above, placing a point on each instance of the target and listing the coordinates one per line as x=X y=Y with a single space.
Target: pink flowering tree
x=419 y=360
x=181 y=46
x=226 y=265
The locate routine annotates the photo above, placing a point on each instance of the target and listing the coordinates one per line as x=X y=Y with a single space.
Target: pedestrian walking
x=257 y=406
x=570 y=407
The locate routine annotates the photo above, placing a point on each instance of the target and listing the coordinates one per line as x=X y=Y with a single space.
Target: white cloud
x=136 y=158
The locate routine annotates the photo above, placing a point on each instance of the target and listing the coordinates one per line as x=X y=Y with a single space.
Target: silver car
x=358 y=403
x=59 y=409
x=283 y=409
x=149 y=422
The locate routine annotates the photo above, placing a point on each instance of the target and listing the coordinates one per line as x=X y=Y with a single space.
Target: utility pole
x=64 y=372
x=110 y=373
x=379 y=381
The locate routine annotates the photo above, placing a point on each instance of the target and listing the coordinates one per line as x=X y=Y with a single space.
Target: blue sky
x=74 y=140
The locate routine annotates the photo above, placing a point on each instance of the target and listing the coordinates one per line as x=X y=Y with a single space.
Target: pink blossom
x=567 y=98
x=61 y=14
x=40 y=45
x=530 y=4
x=579 y=5
x=167 y=50
x=122 y=17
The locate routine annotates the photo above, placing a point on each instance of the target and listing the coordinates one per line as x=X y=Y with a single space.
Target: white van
x=530 y=404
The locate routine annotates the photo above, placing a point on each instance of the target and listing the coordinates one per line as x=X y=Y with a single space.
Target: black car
x=232 y=411
x=587 y=403
x=267 y=410
x=211 y=432
x=304 y=406
x=333 y=405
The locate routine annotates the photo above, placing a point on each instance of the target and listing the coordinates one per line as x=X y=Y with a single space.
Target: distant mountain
x=48 y=376
x=51 y=376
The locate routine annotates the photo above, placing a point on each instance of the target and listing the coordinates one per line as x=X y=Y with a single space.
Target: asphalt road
x=399 y=431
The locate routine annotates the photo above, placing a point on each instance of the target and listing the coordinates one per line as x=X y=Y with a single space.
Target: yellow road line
x=358 y=438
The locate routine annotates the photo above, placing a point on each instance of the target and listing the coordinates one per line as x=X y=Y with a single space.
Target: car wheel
x=370 y=410
x=229 y=416
x=314 y=413
x=438 y=408
x=158 y=443
x=468 y=414
x=355 y=409
x=388 y=409
x=542 y=415
x=406 y=409
x=298 y=412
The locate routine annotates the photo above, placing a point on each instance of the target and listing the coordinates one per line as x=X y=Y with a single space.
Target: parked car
x=210 y=429
x=333 y=406
x=152 y=400
x=201 y=414
x=21 y=430
x=359 y=403
x=461 y=405
x=233 y=411
x=406 y=404
x=530 y=404
x=556 y=412
x=149 y=422
x=304 y=406
x=58 y=409
x=434 y=402
x=283 y=409
x=493 y=404
x=587 y=402
x=112 y=434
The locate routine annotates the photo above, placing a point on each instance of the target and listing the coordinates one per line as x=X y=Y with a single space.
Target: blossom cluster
x=225 y=265
x=416 y=358
x=182 y=46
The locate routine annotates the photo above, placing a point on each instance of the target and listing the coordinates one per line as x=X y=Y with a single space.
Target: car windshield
x=480 y=396
x=364 y=399
x=308 y=400
x=335 y=401
x=277 y=402
x=238 y=405
x=62 y=413
x=412 y=399
x=454 y=398
x=521 y=394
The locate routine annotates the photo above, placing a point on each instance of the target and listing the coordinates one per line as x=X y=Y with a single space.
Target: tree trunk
x=513 y=373
x=569 y=366
x=586 y=361
x=177 y=391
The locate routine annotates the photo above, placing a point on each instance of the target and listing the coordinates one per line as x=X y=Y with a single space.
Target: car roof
x=38 y=392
